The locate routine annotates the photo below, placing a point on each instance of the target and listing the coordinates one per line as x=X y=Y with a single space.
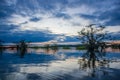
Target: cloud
x=81 y=9
x=34 y=19
x=34 y=36
x=54 y=24
x=113 y=28
x=62 y=15
x=57 y=17
x=17 y=19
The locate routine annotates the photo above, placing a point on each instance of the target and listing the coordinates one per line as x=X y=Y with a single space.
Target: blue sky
x=59 y=20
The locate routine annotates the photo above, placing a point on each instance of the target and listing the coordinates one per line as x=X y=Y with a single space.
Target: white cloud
x=17 y=19
x=113 y=28
x=54 y=24
x=83 y=9
x=50 y=22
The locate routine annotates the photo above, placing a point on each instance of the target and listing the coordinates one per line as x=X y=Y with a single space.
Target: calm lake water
x=61 y=64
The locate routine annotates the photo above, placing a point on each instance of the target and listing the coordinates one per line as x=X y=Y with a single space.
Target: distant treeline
x=78 y=47
x=115 y=46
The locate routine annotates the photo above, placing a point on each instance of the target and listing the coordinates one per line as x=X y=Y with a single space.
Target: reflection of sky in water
x=62 y=65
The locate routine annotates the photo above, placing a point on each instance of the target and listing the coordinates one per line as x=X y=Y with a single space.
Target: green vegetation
x=116 y=46
x=35 y=47
x=54 y=47
x=66 y=47
x=80 y=47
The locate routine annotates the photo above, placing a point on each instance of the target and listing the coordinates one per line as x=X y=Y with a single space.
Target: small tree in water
x=23 y=48
x=1 y=47
x=92 y=36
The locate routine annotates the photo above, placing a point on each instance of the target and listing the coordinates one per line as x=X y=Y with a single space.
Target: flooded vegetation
x=58 y=64
x=59 y=39
x=93 y=59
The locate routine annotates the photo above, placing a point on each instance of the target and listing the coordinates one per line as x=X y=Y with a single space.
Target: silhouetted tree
x=92 y=36
x=1 y=47
x=23 y=48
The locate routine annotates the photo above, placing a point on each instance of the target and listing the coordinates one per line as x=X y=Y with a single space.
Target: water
x=61 y=64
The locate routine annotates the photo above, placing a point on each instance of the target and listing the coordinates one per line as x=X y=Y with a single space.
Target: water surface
x=61 y=64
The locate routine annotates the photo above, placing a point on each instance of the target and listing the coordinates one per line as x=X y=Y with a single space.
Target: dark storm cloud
x=7 y=27
x=34 y=36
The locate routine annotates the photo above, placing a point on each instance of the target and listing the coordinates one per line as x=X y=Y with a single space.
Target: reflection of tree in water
x=94 y=52
x=92 y=36
x=94 y=61
x=93 y=70
x=51 y=49
x=1 y=47
x=22 y=47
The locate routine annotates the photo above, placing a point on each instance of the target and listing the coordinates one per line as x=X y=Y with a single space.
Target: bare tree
x=92 y=36
x=23 y=48
x=1 y=47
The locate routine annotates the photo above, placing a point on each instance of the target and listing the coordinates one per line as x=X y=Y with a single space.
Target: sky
x=55 y=20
